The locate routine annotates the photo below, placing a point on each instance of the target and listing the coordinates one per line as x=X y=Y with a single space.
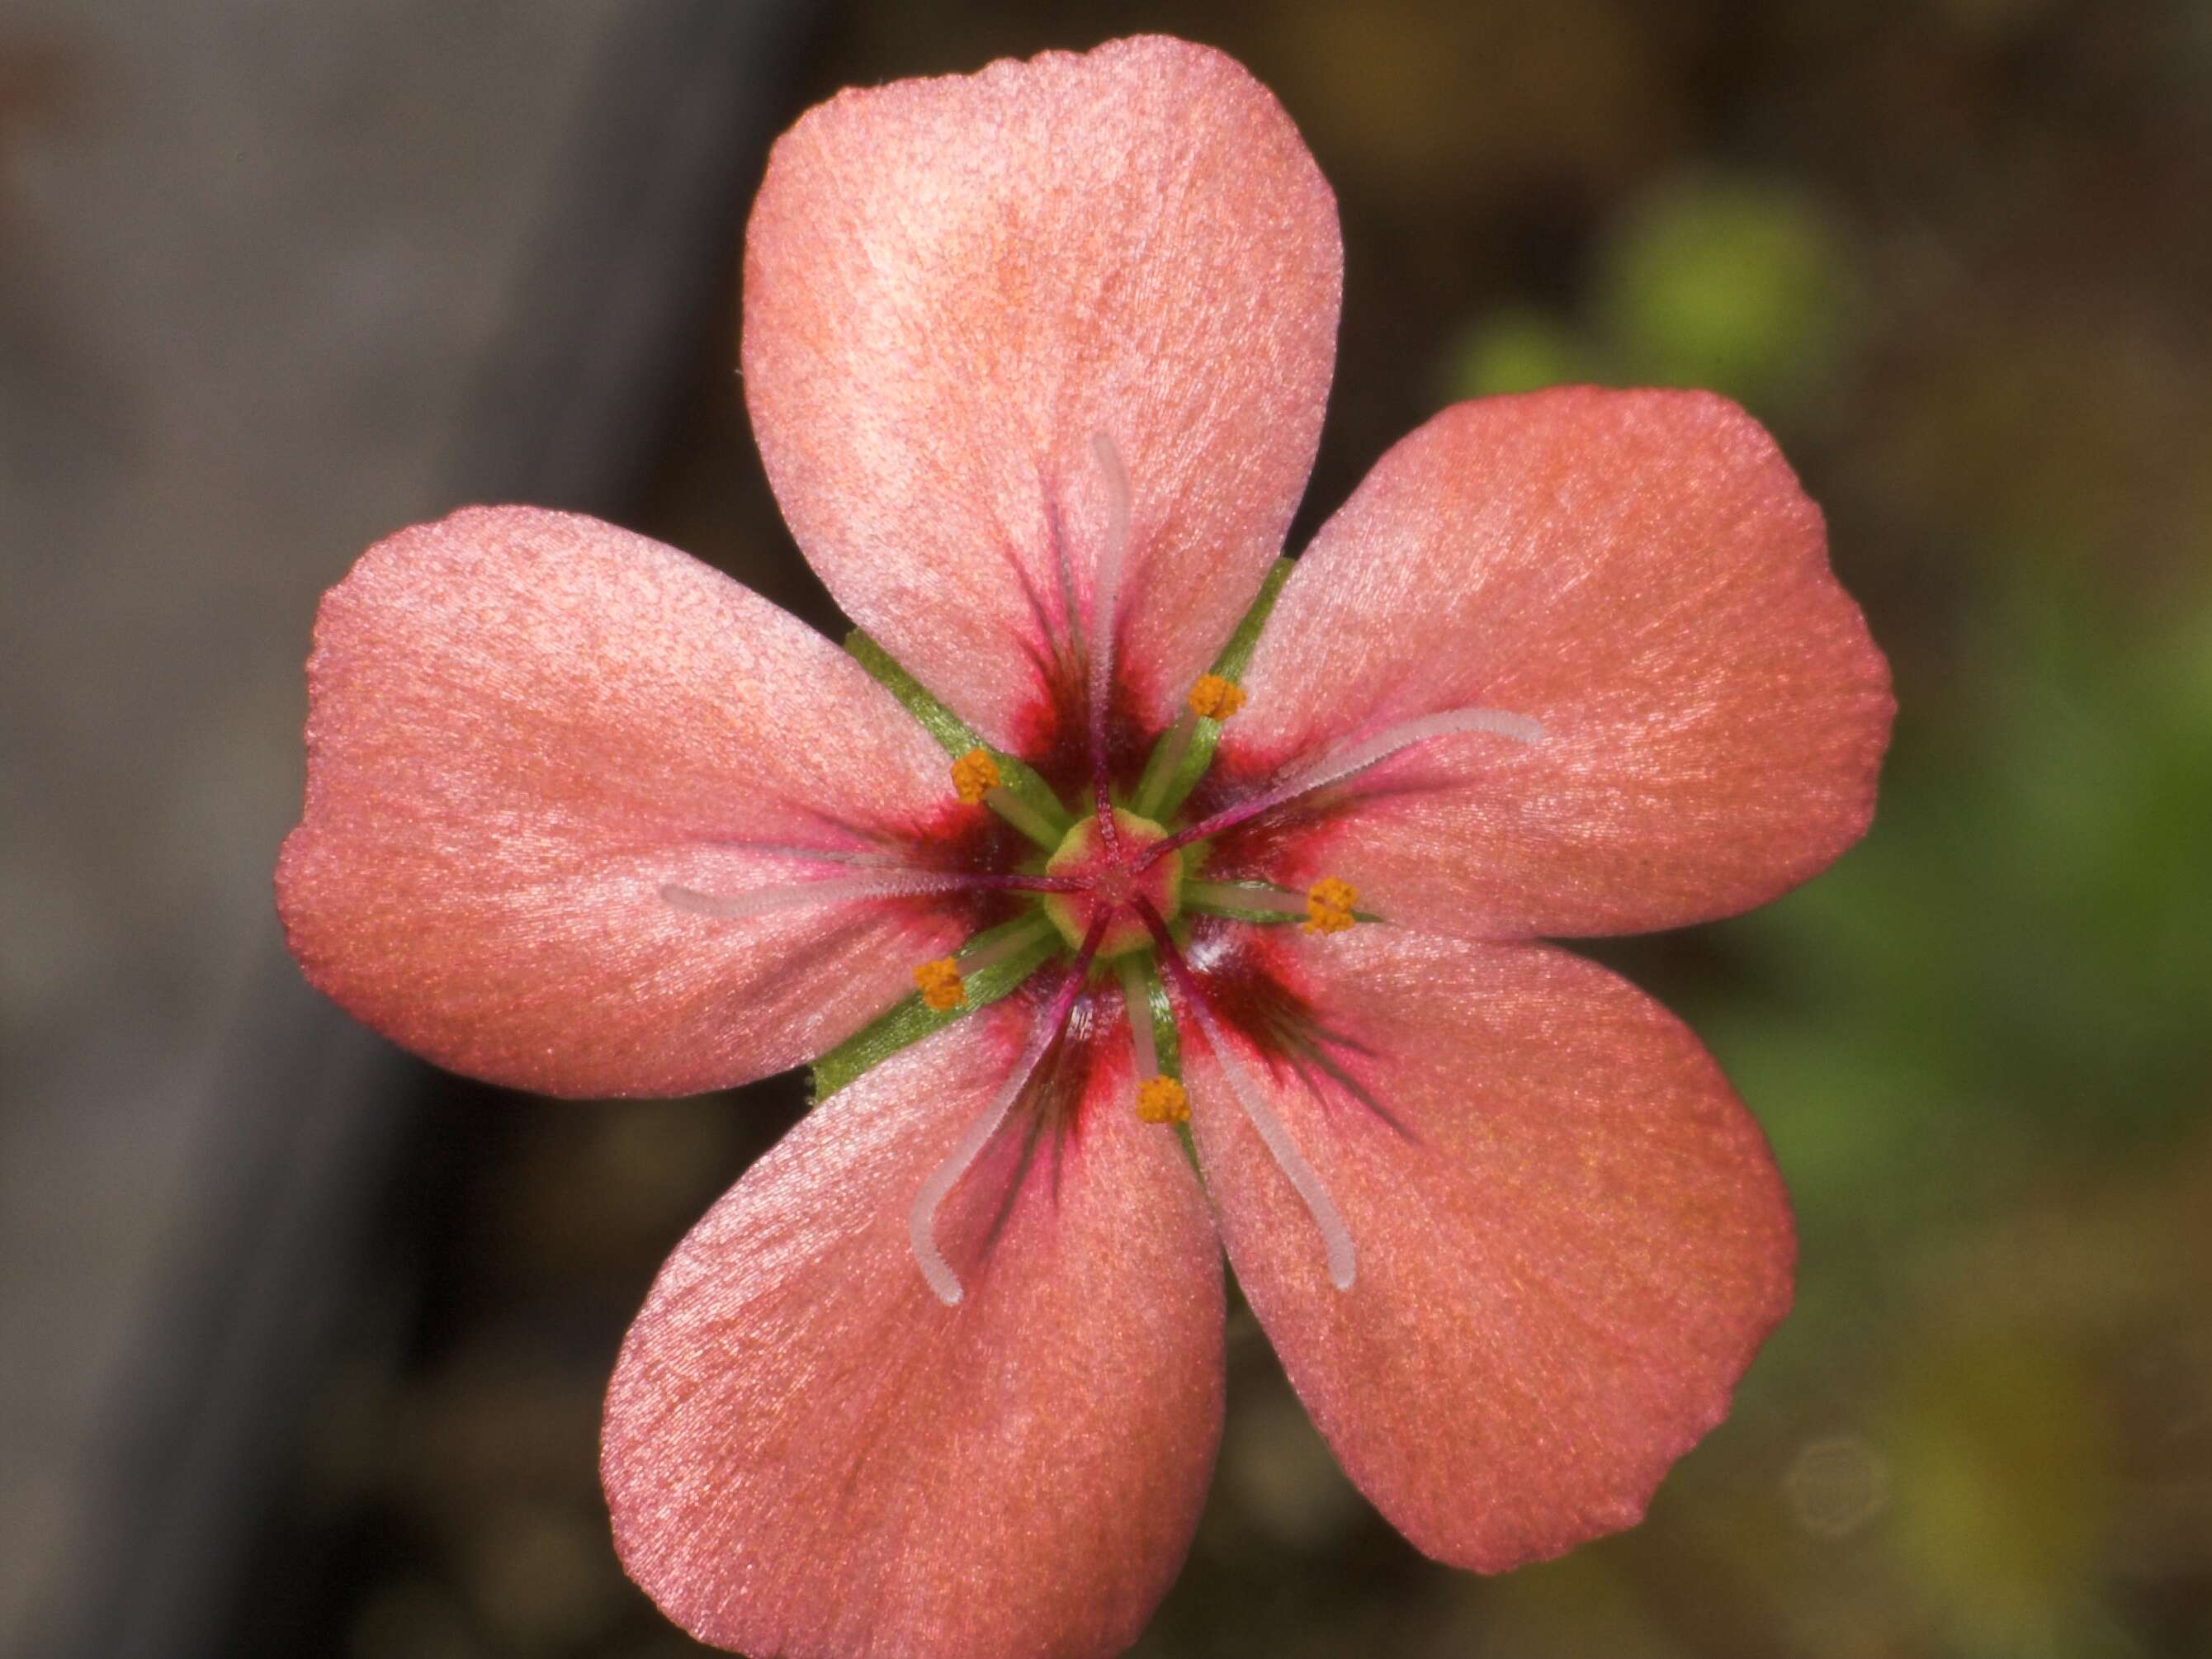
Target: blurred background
x=302 y=1344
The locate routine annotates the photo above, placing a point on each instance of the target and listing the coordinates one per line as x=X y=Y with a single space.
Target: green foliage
x=1734 y=285
x=1521 y=349
x=1741 y=286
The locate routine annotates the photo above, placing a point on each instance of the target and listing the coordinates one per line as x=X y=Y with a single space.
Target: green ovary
x=1113 y=883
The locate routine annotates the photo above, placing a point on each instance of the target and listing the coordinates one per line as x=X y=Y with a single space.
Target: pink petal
x=1640 y=572
x=952 y=285
x=522 y=724
x=1569 y=1235
x=807 y=1454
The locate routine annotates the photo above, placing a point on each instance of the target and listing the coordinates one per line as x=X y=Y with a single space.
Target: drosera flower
x=1133 y=892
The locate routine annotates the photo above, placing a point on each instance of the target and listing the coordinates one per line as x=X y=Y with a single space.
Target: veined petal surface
x=808 y=1454
x=952 y=285
x=522 y=725
x=1640 y=572
x=1571 y=1237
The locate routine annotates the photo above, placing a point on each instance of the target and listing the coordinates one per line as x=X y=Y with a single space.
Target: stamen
x=1211 y=697
x=792 y=895
x=938 y=982
x=1343 y=762
x=1336 y=1237
x=1328 y=906
x=1214 y=698
x=975 y=775
x=921 y=1220
x=1162 y=1100
x=1105 y=608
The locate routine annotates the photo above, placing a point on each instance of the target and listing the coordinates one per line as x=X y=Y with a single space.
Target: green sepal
x=1206 y=734
x=954 y=735
x=908 y=1022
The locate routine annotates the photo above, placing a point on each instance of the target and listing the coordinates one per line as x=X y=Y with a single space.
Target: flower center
x=1114 y=878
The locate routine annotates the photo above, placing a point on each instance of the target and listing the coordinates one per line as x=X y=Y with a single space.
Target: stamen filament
x=1105 y=608
x=1023 y=817
x=1011 y=941
x=1343 y=762
x=792 y=895
x=1336 y=1237
x=1136 y=996
x=1231 y=897
x=921 y=1220
x=1166 y=761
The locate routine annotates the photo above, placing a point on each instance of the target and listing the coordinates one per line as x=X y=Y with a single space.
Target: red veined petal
x=522 y=726
x=807 y=1454
x=1640 y=572
x=952 y=285
x=1569 y=1235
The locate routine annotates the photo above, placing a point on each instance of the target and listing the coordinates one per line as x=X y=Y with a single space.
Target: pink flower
x=1038 y=360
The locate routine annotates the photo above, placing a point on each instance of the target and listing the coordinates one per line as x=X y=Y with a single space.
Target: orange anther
x=1214 y=698
x=940 y=984
x=1162 y=1100
x=975 y=775
x=1328 y=906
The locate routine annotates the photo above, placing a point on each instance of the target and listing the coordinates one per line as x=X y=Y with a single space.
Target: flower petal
x=522 y=724
x=952 y=285
x=1640 y=574
x=1571 y=1237
x=807 y=1454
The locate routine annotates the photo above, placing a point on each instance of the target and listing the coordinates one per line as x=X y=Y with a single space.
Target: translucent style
x=1136 y=895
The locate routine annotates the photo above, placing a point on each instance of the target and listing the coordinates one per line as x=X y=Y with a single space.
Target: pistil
x=1352 y=758
x=976 y=780
x=921 y=1220
x=1336 y=1237
x=1105 y=617
x=905 y=883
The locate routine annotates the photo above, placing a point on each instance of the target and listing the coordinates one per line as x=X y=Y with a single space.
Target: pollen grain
x=975 y=775
x=940 y=984
x=1328 y=906
x=1162 y=1100
x=1214 y=698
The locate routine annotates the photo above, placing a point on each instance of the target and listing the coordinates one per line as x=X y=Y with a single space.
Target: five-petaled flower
x=1110 y=822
